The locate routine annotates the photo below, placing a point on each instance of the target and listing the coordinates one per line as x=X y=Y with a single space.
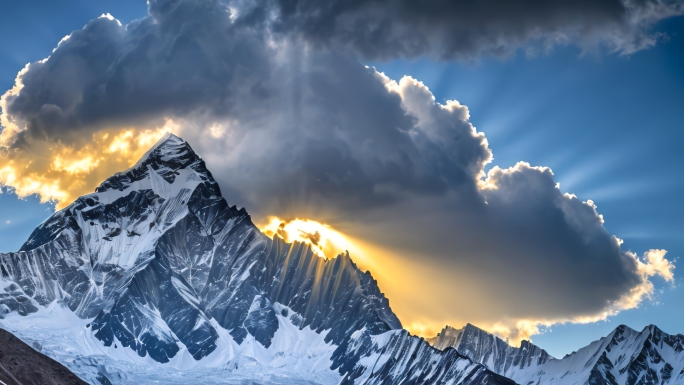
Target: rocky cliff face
x=395 y=357
x=159 y=264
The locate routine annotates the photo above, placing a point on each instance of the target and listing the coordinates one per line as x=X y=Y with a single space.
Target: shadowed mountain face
x=163 y=266
x=21 y=364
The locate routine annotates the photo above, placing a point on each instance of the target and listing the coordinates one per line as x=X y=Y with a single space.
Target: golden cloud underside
x=62 y=172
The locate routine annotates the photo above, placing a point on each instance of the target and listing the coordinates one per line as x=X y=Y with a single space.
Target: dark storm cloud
x=346 y=135
x=386 y=29
x=550 y=247
x=154 y=66
x=291 y=128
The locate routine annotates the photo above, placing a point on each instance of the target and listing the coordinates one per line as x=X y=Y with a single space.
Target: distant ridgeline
x=624 y=357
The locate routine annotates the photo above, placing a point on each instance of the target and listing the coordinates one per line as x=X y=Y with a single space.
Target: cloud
x=530 y=255
x=656 y=264
x=386 y=29
x=292 y=128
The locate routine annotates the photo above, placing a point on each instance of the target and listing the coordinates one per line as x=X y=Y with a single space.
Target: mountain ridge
x=161 y=267
x=490 y=350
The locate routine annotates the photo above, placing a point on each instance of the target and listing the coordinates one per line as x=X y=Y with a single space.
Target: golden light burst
x=325 y=241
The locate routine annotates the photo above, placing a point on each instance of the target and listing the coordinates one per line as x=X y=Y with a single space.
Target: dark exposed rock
x=20 y=364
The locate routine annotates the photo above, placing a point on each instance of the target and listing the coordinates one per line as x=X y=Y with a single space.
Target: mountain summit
x=155 y=275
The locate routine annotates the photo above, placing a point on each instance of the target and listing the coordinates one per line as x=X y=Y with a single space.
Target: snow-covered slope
x=299 y=356
x=155 y=276
x=491 y=351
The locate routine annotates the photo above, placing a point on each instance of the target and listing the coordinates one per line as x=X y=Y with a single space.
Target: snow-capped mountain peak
x=170 y=162
x=155 y=268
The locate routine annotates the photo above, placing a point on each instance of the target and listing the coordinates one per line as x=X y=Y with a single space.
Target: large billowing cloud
x=296 y=128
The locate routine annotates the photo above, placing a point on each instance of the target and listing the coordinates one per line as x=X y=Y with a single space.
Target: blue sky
x=609 y=126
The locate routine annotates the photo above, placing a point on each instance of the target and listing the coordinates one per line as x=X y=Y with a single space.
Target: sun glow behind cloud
x=397 y=277
x=404 y=279
x=325 y=241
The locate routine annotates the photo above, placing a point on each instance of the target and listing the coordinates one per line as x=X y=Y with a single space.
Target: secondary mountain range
x=624 y=357
x=156 y=278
